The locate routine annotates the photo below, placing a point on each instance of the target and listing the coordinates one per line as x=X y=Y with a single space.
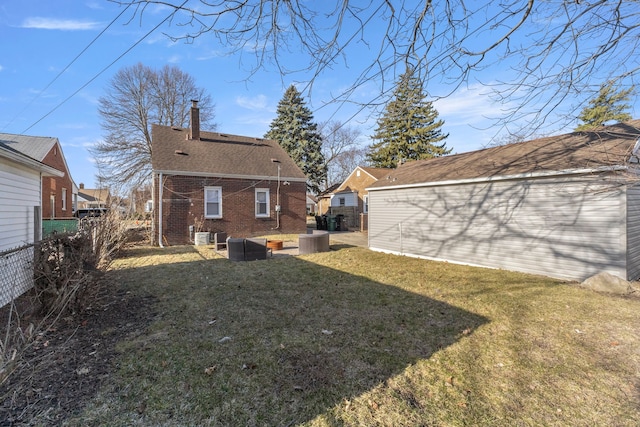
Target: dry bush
x=66 y=265
x=67 y=268
x=63 y=268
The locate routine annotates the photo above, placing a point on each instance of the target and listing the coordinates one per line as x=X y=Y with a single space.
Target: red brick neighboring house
x=57 y=192
x=206 y=181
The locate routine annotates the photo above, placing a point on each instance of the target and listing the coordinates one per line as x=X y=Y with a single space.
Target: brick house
x=57 y=191
x=209 y=181
x=351 y=197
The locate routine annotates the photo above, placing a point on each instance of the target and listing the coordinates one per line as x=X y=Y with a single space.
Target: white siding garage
x=569 y=224
x=557 y=228
x=20 y=194
x=20 y=222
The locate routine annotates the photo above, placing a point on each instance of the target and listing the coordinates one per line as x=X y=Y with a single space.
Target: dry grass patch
x=353 y=337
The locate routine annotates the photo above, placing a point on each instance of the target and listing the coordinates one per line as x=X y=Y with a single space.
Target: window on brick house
x=213 y=202
x=365 y=205
x=262 y=203
x=64 y=199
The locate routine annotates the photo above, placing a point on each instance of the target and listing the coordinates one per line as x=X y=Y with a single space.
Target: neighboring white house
x=566 y=206
x=20 y=215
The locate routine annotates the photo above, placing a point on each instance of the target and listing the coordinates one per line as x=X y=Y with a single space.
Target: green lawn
x=354 y=338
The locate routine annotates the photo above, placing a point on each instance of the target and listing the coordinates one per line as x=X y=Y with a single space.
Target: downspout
x=37 y=215
x=160 y=187
x=276 y=161
x=278 y=207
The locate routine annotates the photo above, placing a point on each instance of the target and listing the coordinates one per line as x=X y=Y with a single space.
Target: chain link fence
x=16 y=273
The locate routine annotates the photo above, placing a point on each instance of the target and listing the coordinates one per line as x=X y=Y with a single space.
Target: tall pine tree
x=409 y=128
x=608 y=105
x=296 y=132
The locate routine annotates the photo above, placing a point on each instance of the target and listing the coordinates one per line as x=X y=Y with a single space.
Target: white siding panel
x=558 y=228
x=350 y=199
x=19 y=193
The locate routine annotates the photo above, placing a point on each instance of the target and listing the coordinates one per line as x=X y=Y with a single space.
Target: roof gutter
x=225 y=175
x=528 y=175
x=32 y=163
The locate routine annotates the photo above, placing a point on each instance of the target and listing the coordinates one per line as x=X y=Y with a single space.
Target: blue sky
x=39 y=38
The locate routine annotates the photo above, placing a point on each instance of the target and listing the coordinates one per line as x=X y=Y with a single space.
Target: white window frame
x=64 y=199
x=342 y=201
x=219 y=201
x=365 y=204
x=267 y=214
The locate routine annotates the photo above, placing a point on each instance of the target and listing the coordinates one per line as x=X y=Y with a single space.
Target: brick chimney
x=195 y=120
x=81 y=186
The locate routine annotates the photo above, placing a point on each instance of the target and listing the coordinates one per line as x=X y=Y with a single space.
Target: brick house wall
x=323 y=205
x=56 y=186
x=183 y=205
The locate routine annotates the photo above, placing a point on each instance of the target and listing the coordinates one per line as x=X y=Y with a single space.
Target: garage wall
x=564 y=228
x=633 y=233
x=20 y=193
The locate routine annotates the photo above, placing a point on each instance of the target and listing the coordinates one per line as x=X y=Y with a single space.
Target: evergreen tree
x=409 y=128
x=608 y=105
x=296 y=132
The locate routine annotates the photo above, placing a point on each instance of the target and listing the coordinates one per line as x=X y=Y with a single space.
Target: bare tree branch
x=135 y=98
x=552 y=55
x=341 y=150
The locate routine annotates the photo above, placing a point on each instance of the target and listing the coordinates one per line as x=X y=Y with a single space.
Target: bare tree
x=341 y=150
x=137 y=97
x=555 y=49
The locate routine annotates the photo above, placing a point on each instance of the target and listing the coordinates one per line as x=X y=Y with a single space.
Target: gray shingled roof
x=219 y=154
x=35 y=147
x=607 y=147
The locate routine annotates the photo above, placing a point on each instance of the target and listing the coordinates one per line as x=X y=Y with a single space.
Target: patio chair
x=219 y=240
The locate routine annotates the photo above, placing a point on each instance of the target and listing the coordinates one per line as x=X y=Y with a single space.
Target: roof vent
x=181 y=153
